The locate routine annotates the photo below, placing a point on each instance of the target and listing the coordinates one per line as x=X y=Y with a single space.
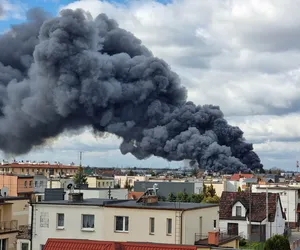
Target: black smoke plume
x=71 y=71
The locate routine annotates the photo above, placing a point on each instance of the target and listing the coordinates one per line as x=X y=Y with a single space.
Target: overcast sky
x=241 y=55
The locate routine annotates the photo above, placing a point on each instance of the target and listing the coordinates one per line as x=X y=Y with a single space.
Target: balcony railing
x=8 y=226
x=24 y=232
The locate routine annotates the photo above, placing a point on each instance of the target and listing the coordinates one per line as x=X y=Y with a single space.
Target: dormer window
x=238 y=211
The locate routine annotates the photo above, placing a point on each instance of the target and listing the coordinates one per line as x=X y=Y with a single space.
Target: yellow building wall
x=12 y=241
x=91 y=180
x=231 y=244
x=20 y=211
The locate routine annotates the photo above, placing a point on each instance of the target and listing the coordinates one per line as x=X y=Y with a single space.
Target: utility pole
x=267 y=208
x=250 y=205
x=80 y=158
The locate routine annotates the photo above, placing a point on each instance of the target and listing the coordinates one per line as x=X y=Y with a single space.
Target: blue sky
x=217 y=51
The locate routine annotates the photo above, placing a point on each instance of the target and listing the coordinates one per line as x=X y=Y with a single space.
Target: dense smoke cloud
x=71 y=71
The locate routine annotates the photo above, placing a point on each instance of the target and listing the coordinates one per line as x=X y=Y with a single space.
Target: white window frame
x=57 y=226
x=88 y=229
x=124 y=224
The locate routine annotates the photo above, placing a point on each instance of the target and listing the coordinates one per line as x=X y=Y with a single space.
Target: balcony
x=224 y=237
x=8 y=226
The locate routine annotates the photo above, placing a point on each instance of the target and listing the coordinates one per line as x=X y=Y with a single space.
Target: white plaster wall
x=232 y=186
x=198 y=187
x=277 y=227
x=242 y=208
x=72 y=228
x=243 y=226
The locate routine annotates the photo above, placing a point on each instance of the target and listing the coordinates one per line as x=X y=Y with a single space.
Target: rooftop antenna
x=297 y=165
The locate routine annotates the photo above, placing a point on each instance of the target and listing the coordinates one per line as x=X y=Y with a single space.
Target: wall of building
x=139 y=225
x=11 y=237
x=120 y=194
x=72 y=222
x=191 y=223
x=40 y=183
x=11 y=182
x=232 y=244
x=231 y=186
x=105 y=183
x=20 y=241
x=243 y=209
x=25 y=185
x=91 y=180
x=121 y=180
x=243 y=226
x=218 y=186
x=276 y=227
x=20 y=211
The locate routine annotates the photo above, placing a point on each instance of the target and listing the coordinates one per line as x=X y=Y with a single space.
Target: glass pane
x=169 y=226
x=151 y=225
x=60 y=220
x=119 y=223
x=126 y=223
x=25 y=246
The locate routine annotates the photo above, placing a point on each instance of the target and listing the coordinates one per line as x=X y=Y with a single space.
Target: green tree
x=212 y=199
x=185 y=197
x=196 y=198
x=79 y=177
x=239 y=189
x=117 y=186
x=179 y=196
x=277 y=242
x=171 y=197
x=204 y=189
x=211 y=191
x=128 y=186
x=131 y=173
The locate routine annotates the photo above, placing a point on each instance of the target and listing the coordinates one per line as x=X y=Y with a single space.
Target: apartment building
x=122 y=220
x=13 y=215
x=18 y=185
x=122 y=180
x=100 y=182
x=45 y=168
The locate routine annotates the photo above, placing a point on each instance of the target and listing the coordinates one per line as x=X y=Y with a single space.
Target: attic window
x=238 y=211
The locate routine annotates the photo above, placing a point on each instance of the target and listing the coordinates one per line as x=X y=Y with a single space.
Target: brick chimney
x=213 y=238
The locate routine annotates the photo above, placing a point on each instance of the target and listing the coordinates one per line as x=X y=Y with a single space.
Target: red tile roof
x=68 y=244
x=258 y=207
x=236 y=177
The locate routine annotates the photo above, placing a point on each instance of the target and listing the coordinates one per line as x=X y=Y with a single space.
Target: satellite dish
x=4 y=191
x=69 y=184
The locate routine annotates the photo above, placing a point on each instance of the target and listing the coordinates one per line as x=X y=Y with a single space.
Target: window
x=60 y=221
x=3 y=244
x=233 y=228
x=24 y=246
x=151 y=225
x=88 y=221
x=30 y=183
x=22 y=170
x=25 y=183
x=238 y=211
x=121 y=223
x=41 y=184
x=169 y=226
x=35 y=183
x=215 y=223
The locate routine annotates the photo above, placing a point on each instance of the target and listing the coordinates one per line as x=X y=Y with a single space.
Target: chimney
x=75 y=197
x=213 y=238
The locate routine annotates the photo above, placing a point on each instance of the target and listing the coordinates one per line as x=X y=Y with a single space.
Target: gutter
x=181 y=231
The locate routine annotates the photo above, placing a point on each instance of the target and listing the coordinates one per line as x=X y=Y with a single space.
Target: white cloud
x=241 y=55
x=10 y=9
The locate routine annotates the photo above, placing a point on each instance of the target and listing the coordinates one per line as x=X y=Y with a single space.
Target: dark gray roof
x=131 y=204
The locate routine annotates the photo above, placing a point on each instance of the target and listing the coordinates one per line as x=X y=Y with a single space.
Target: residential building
x=67 y=244
x=18 y=185
x=13 y=214
x=245 y=214
x=165 y=188
x=40 y=183
x=33 y=168
x=122 y=220
x=100 y=182
x=122 y=180
x=59 y=182
x=290 y=199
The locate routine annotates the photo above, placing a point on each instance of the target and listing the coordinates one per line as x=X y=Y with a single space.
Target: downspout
x=181 y=231
x=31 y=226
